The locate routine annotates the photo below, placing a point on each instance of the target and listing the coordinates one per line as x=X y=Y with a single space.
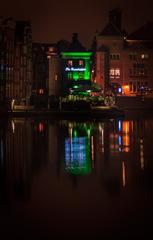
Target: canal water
x=61 y=178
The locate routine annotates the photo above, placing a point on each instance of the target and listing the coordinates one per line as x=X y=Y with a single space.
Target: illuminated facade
x=76 y=65
x=124 y=60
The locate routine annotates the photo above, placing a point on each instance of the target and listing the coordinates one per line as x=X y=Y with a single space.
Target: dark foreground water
x=76 y=179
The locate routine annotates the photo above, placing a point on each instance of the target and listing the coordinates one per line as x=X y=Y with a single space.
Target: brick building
x=124 y=61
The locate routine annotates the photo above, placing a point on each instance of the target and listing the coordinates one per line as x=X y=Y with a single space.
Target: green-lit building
x=76 y=66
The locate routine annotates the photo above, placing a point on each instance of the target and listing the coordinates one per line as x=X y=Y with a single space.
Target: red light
x=41 y=91
x=41 y=127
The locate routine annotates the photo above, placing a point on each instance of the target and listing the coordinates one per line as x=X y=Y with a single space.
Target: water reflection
x=78 y=148
x=114 y=153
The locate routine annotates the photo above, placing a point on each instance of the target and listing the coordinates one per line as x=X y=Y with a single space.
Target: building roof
x=75 y=45
x=110 y=30
x=143 y=33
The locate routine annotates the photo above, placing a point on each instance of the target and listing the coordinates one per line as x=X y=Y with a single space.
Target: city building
x=40 y=75
x=55 y=77
x=139 y=59
x=7 y=38
x=23 y=62
x=124 y=62
x=15 y=60
x=76 y=66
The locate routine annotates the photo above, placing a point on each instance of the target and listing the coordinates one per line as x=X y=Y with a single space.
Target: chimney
x=75 y=37
x=115 y=16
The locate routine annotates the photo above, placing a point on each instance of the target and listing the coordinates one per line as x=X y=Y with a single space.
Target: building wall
x=130 y=64
x=76 y=69
x=138 y=69
x=15 y=60
x=7 y=35
x=23 y=61
x=54 y=84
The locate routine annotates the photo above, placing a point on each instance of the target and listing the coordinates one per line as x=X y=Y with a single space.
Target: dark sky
x=53 y=20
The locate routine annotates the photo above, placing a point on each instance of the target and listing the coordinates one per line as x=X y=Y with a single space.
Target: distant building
x=139 y=58
x=76 y=66
x=7 y=39
x=124 y=61
x=40 y=76
x=15 y=60
x=55 y=78
x=23 y=60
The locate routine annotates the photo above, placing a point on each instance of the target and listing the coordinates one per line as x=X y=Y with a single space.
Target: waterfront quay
x=121 y=106
x=135 y=102
x=95 y=112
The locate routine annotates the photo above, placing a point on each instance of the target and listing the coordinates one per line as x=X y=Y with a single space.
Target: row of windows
x=115 y=56
x=114 y=72
x=138 y=65
x=138 y=72
x=132 y=56
x=137 y=86
x=71 y=63
x=80 y=75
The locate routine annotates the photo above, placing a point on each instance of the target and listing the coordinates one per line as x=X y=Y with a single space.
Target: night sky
x=53 y=20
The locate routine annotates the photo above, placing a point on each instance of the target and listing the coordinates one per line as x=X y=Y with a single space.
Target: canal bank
x=93 y=113
x=134 y=102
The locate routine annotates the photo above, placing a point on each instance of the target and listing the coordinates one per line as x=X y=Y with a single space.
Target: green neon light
x=76 y=54
x=75 y=133
x=85 y=71
x=75 y=76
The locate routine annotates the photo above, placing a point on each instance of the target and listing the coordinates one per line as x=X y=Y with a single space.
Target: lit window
x=70 y=62
x=41 y=127
x=144 y=56
x=81 y=75
x=56 y=77
x=70 y=76
x=41 y=91
x=81 y=62
x=112 y=72
x=117 y=72
x=51 y=49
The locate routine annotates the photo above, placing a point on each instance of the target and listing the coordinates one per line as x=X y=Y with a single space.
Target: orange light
x=126 y=89
x=126 y=126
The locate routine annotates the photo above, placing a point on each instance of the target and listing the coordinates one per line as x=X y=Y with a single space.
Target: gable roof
x=75 y=45
x=143 y=33
x=110 y=30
